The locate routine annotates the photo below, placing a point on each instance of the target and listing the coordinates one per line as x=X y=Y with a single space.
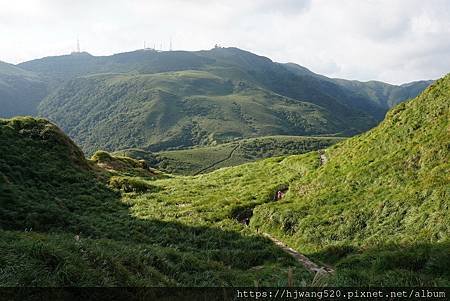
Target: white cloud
x=394 y=41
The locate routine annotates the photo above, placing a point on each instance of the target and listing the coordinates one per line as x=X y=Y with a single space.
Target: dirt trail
x=302 y=259
x=323 y=157
x=220 y=161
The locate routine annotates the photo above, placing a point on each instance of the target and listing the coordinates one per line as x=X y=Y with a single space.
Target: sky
x=395 y=41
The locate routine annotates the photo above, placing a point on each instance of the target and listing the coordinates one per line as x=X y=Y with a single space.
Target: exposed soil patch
x=322 y=157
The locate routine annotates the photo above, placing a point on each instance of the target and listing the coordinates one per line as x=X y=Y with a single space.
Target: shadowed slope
x=61 y=224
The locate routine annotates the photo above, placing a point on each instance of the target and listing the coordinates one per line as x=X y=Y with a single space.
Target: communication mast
x=78 y=45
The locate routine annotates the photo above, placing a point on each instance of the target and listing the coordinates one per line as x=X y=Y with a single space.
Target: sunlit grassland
x=208 y=158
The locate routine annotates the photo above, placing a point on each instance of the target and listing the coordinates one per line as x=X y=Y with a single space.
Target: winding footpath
x=302 y=259
x=323 y=158
x=220 y=161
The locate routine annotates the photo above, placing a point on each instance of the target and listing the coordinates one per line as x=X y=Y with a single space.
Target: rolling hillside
x=206 y=159
x=378 y=209
x=65 y=221
x=181 y=99
x=177 y=109
x=20 y=91
x=375 y=207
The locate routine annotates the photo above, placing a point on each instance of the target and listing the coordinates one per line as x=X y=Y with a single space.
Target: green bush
x=128 y=184
x=101 y=156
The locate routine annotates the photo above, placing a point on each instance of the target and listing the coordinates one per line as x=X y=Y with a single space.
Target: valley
x=377 y=213
x=198 y=160
x=224 y=150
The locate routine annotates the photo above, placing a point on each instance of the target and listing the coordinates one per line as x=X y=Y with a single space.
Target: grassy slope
x=176 y=109
x=194 y=160
x=49 y=194
x=378 y=210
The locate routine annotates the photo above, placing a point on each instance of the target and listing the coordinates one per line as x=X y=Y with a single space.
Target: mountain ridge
x=262 y=98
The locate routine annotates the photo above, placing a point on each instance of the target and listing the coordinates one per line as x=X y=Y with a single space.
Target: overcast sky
x=390 y=40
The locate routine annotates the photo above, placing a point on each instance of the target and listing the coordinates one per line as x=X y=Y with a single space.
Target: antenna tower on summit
x=78 y=45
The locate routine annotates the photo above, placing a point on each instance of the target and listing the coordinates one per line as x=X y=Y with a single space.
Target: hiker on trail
x=245 y=221
x=280 y=194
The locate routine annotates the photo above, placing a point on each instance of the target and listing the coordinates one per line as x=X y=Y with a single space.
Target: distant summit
x=171 y=99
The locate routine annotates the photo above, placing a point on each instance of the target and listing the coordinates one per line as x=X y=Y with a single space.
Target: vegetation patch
x=206 y=159
x=124 y=165
x=377 y=211
x=129 y=184
x=61 y=224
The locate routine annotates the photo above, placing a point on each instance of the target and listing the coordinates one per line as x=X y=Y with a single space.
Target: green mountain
x=374 y=206
x=377 y=209
x=384 y=95
x=372 y=96
x=180 y=99
x=178 y=109
x=20 y=91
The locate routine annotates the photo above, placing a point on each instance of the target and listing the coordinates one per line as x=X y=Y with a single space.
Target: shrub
x=128 y=184
x=101 y=156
